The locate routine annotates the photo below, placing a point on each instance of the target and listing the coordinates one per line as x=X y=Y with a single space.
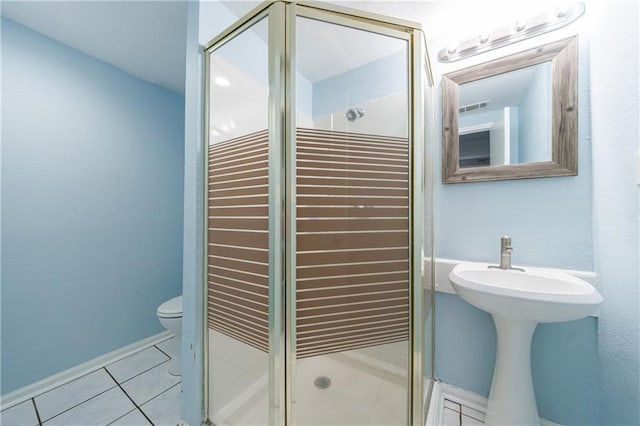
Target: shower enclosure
x=319 y=237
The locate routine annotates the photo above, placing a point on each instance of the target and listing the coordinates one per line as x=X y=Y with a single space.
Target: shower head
x=354 y=113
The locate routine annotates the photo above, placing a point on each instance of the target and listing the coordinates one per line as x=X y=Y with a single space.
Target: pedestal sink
x=518 y=301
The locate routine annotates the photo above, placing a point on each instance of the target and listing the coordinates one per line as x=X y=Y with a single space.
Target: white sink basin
x=539 y=295
x=518 y=301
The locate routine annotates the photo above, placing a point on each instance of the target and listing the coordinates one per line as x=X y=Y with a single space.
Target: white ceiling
x=144 y=38
x=147 y=38
x=325 y=50
x=420 y=11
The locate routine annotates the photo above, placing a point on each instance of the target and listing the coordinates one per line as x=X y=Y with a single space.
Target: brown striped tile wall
x=238 y=257
x=352 y=240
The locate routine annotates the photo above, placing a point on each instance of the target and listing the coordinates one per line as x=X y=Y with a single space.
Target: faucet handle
x=505 y=242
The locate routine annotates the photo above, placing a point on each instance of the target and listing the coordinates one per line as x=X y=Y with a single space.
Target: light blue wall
x=535 y=129
x=365 y=83
x=563 y=359
x=92 y=164
x=480 y=117
x=615 y=93
x=465 y=344
x=586 y=371
x=550 y=222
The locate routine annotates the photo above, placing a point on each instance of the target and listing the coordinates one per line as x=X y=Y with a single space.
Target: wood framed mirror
x=513 y=118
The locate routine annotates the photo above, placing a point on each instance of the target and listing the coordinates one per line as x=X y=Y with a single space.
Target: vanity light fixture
x=522 y=29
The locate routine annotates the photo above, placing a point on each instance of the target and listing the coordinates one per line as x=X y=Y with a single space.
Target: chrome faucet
x=505 y=254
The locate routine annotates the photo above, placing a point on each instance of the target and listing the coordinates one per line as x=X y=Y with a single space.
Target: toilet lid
x=172 y=308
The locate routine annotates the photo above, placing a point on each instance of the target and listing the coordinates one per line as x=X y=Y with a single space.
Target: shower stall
x=319 y=246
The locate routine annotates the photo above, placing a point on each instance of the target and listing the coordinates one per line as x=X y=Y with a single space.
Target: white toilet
x=170 y=316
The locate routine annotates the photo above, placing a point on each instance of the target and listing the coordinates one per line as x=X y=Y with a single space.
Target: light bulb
x=221 y=81
x=451 y=46
x=563 y=10
x=520 y=25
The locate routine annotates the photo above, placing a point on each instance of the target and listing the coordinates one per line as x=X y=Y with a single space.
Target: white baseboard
x=434 y=414
x=20 y=395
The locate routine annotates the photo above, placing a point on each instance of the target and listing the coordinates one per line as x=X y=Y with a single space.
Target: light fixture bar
x=520 y=30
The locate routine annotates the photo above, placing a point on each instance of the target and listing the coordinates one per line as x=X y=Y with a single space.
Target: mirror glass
x=514 y=117
x=506 y=118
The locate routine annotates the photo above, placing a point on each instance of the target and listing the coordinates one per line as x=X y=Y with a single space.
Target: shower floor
x=368 y=386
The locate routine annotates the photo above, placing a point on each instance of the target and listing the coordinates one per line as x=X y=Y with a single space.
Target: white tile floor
x=456 y=413
x=134 y=391
x=459 y=407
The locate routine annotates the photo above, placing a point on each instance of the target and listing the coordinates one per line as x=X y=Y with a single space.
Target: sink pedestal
x=518 y=300
x=512 y=400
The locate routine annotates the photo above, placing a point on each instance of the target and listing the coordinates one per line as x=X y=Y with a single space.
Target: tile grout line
x=458 y=411
x=88 y=373
x=165 y=354
x=453 y=411
x=471 y=417
x=160 y=394
x=124 y=415
x=85 y=375
x=461 y=410
x=140 y=373
x=78 y=404
x=33 y=401
x=106 y=390
x=130 y=399
x=61 y=385
x=163 y=392
x=375 y=400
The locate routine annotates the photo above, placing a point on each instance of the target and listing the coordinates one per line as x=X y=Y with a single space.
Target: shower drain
x=322 y=382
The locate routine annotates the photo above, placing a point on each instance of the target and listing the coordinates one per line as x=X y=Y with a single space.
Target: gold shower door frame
x=282 y=192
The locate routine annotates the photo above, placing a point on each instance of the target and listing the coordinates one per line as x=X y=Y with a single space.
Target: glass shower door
x=238 y=255
x=352 y=287
x=315 y=220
